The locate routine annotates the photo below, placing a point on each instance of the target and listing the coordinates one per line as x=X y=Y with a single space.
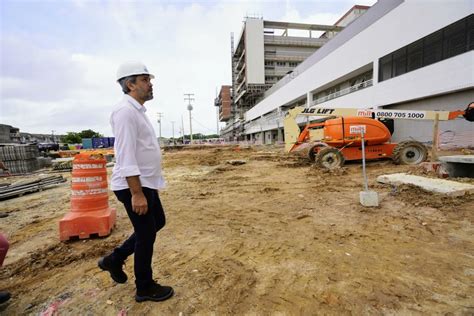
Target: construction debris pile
x=64 y=164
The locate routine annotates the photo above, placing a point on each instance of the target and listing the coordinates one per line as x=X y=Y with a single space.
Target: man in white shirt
x=136 y=179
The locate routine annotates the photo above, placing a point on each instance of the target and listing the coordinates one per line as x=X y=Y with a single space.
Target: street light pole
x=172 y=124
x=160 y=115
x=188 y=97
x=52 y=135
x=190 y=108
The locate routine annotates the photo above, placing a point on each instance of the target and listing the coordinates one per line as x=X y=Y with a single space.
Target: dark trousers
x=142 y=240
x=3 y=248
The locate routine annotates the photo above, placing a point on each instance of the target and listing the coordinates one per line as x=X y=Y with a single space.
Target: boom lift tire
x=329 y=158
x=409 y=152
x=312 y=152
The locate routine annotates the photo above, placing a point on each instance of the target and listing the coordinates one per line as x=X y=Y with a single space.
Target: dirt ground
x=272 y=236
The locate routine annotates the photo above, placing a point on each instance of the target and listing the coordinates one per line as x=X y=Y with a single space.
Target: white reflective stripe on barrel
x=87 y=166
x=88 y=192
x=87 y=179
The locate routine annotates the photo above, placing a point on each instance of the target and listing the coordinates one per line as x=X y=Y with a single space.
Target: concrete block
x=369 y=198
x=469 y=159
x=448 y=187
x=459 y=165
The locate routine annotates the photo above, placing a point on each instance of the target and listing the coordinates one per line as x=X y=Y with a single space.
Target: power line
x=203 y=125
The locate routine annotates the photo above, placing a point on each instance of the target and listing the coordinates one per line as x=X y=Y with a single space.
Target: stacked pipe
x=30 y=186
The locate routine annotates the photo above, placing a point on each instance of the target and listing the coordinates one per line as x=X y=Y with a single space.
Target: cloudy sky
x=58 y=58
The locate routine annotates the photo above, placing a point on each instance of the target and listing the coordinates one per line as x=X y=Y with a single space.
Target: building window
x=293 y=64
x=281 y=63
x=399 y=62
x=433 y=48
x=385 y=68
x=454 y=39
x=470 y=32
x=415 y=55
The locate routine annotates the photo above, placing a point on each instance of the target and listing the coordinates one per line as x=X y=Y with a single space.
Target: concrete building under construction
x=224 y=102
x=267 y=52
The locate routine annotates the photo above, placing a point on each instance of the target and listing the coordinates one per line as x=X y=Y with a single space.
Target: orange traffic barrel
x=90 y=213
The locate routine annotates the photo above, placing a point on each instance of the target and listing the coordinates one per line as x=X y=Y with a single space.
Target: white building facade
x=400 y=54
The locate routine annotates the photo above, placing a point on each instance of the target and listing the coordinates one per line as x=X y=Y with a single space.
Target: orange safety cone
x=90 y=212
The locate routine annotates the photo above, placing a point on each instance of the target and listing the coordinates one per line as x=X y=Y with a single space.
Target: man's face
x=142 y=89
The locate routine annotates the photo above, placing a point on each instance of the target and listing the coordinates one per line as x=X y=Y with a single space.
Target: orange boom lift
x=336 y=136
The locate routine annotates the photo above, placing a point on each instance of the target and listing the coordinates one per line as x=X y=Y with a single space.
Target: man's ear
x=130 y=85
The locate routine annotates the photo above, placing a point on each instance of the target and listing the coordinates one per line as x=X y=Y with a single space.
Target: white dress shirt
x=137 y=152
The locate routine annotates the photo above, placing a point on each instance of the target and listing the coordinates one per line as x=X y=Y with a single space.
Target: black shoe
x=155 y=293
x=115 y=269
x=4 y=297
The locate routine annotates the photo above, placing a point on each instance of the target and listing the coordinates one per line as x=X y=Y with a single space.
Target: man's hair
x=123 y=83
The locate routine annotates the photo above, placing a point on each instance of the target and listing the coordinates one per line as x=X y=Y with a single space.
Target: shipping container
x=105 y=142
x=87 y=143
x=111 y=141
x=100 y=142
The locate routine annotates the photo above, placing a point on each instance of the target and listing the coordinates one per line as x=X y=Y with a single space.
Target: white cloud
x=33 y=73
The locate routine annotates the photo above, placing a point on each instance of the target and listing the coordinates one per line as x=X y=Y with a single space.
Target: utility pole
x=160 y=115
x=188 y=97
x=172 y=124
x=182 y=126
x=218 y=106
x=217 y=124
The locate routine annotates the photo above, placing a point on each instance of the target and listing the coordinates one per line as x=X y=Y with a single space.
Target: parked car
x=45 y=147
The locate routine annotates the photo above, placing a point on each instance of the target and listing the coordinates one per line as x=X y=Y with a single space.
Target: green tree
x=76 y=138
x=88 y=133
x=71 y=138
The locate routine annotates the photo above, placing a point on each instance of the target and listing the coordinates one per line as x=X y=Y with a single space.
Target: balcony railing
x=345 y=91
x=294 y=41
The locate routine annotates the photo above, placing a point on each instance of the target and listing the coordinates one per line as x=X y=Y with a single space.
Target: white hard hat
x=132 y=68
